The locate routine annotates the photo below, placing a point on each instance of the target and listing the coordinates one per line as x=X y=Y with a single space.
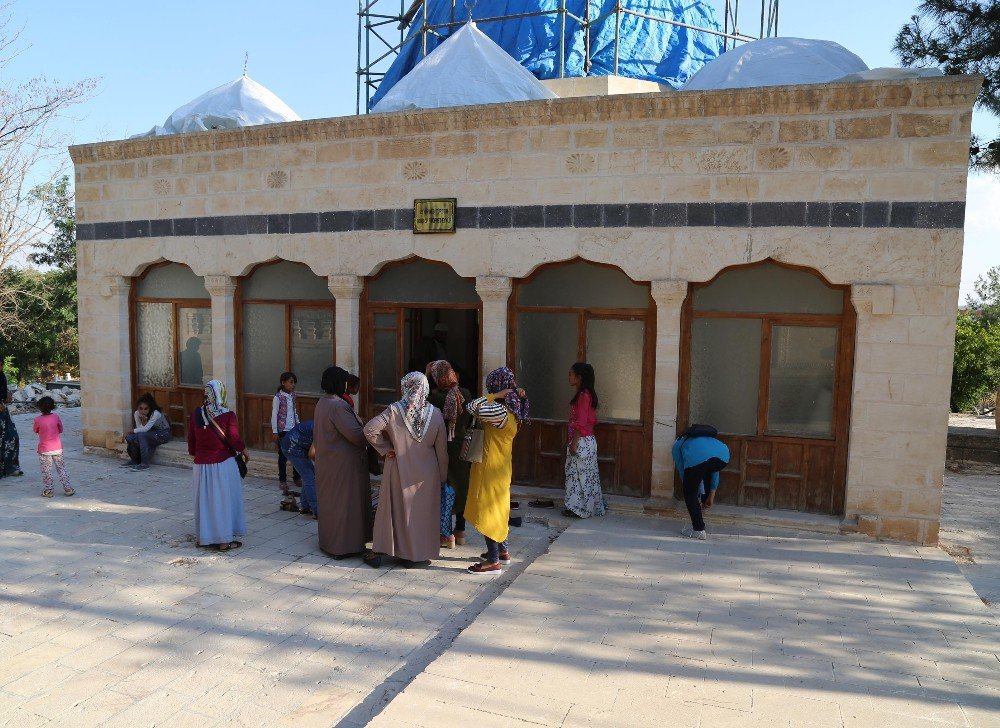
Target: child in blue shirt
x=699 y=457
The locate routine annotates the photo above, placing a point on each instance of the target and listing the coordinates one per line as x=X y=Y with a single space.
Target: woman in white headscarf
x=214 y=442
x=412 y=435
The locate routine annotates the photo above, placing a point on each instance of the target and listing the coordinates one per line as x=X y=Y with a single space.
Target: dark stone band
x=932 y=215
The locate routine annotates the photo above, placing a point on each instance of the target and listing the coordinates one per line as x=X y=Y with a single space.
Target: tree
x=984 y=309
x=976 y=369
x=59 y=250
x=28 y=146
x=961 y=36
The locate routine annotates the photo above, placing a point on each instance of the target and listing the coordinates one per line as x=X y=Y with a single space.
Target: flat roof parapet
x=829 y=98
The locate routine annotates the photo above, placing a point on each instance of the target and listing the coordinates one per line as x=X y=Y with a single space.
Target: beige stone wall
x=886 y=141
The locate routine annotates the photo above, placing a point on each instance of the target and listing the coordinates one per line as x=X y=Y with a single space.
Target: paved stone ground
x=109 y=615
x=970 y=526
x=625 y=623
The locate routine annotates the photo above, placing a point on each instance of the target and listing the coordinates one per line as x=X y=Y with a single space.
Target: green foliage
x=985 y=304
x=49 y=312
x=47 y=299
x=960 y=36
x=58 y=251
x=976 y=370
x=10 y=370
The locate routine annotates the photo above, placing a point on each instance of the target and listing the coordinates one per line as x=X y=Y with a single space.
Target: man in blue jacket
x=699 y=456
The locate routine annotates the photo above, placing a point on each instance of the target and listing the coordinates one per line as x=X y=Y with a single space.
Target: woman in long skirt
x=450 y=398
x=343 y=489
x=411 y=435
x=583 y=479
x=214 y=442
x=9 y=441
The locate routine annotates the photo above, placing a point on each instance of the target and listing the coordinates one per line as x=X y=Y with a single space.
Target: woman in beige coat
x=343 y=491
x=411 y=434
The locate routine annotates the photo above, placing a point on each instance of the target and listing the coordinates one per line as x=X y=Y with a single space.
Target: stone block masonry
x=863 y=183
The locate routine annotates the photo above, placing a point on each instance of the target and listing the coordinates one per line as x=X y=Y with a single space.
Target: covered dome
x=466 y=69
x=242 y=102
x=647 y=49
x=777 y=62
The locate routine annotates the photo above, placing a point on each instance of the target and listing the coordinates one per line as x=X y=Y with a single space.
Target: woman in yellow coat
x=502 y=411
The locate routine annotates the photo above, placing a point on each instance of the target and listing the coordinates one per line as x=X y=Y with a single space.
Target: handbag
x=472 y=443
x=241 y=462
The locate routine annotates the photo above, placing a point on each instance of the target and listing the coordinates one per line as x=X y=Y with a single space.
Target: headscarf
x=413 y=406
x=334 y=381
x=215 y=402
x=501 y=379
x=453 y=401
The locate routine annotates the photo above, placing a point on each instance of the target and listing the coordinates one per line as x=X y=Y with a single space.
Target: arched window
x=768 y=362
x=767 y=318
x=582 y=311
x=288 y=320
x=172 y=338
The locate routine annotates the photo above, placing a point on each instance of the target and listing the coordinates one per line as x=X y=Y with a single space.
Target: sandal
x=69 y=491
x=228 y=546
x=47 y=493
x=542 y=503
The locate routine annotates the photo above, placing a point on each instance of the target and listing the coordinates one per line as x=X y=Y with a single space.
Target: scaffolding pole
x=376 y=51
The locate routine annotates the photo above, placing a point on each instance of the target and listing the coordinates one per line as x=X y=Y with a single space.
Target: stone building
x=782 y=262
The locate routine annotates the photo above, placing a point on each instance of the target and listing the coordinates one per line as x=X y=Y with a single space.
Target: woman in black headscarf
x=343 y=492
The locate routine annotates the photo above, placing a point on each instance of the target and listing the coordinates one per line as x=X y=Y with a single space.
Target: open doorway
x=407 y=326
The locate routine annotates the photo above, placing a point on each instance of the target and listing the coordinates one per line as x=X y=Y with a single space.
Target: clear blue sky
x=152 y=57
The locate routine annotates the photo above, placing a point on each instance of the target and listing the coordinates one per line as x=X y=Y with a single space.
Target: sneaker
x=484 y=569
x=691 y=533
x=504 y=558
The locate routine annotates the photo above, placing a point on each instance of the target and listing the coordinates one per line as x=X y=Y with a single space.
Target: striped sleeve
x=489 y=411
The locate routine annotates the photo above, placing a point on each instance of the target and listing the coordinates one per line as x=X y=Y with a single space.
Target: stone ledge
x=974 y=444
x=940 y=92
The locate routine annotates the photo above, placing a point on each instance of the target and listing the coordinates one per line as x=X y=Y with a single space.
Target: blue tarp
x=647 y=49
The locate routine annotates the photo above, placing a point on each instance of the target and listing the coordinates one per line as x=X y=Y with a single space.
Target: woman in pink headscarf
x=411 y=434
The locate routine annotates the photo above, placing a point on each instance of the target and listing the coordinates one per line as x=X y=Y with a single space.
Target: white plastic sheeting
x=242 y=102
x=466 y=69
x=777 y=62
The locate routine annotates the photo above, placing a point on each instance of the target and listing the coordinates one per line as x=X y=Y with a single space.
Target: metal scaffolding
x=379 y=25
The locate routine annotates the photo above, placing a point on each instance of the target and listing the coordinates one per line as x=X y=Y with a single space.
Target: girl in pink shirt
x=49 y=427
x=583 y=479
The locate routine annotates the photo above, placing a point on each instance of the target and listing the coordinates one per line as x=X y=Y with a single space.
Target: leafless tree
x=32 y=152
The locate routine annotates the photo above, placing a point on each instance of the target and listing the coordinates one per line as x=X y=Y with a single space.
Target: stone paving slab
x=625 y=623
x=110 y=616
x=970 y=527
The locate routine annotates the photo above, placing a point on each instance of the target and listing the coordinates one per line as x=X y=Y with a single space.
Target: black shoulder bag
x=241 y=461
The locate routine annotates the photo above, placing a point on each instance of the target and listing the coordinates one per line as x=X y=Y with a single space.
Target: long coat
x=343 y=490
x=409 y=502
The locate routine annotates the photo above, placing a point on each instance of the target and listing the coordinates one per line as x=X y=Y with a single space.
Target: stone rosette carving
x=414 y=171
x=581 y=163
x=161 y=187
x=277 y=179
